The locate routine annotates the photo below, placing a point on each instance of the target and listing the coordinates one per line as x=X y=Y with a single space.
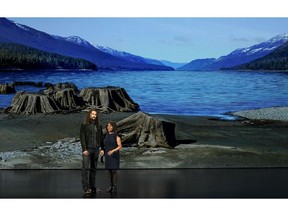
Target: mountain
x=15 y=56
x=76 y=40
x=71 y=46
x=172 y=64
x=196 y=64
x=129 y=56
x=240 y=56
x=276 y=60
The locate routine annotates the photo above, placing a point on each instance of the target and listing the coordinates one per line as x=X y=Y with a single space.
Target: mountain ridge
x=276 y=60
x=25 y=35
x=238 y=56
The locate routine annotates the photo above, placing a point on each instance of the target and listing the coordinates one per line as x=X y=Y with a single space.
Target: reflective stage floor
x=149 y=183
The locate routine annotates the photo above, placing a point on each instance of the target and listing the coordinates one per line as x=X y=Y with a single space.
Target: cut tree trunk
x=109 y=99
x=7 y=88
x=61 y=86
x=144 y=130
x=52 y=89
x=27 y=103
x=67 y=99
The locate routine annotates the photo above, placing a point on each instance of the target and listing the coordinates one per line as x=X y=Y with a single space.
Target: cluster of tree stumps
x=138 y=129
x=65 y=97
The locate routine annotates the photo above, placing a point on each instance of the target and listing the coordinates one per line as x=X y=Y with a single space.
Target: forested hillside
x=15 y=56
x=277 y=60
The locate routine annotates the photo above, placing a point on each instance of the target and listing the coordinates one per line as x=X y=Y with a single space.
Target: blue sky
x=178 y=31
x=173 y=39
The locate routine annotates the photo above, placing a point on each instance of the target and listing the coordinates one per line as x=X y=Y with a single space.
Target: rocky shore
x=257 y=139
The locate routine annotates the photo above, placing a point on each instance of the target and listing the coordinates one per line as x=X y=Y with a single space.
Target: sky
x=174 y=39
x=178 y=31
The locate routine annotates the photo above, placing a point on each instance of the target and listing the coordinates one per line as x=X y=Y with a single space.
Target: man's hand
x=85 y=153
x=101 y=152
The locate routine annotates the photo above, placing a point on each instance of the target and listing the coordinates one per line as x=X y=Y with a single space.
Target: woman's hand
x=110 y=152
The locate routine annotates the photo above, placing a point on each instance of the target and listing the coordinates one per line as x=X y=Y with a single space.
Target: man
x=91 y=139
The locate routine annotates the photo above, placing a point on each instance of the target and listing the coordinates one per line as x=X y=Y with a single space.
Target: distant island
x=16 y=57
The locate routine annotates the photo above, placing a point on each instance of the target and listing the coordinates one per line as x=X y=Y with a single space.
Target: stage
x=149 y=183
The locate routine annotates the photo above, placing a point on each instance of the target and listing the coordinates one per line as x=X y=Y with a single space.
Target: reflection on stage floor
x=149 y=183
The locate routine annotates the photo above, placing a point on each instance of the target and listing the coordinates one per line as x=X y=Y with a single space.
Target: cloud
x=254 y=40
x=180 y=40
x=260 y=39
x=239 y=39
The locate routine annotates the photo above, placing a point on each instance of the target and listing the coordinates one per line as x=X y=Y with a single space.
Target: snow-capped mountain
x=75 y=39
x=276 y=60
x=240 y=56
x=266 y=47
x=71 y=46
x=129 y=56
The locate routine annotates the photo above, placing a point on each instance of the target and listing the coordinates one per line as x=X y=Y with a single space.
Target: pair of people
x=93 y=144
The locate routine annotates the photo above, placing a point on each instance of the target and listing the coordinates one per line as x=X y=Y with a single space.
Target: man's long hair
x=88 y=120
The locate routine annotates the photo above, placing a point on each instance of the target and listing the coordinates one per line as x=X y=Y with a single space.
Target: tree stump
x=144 y=130
x=51 y=89
x=109 y=99
x=67 y=99
x=27 y=103
x=7 y=88
x=61 y=86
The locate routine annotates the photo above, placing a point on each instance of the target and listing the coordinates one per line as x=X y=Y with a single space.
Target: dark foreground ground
x=203 y=142
x=150 y=183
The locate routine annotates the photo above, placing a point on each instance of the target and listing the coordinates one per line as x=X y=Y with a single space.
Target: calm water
x=174 y=92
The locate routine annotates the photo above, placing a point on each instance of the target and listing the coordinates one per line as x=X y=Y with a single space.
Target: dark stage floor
x=150 y=183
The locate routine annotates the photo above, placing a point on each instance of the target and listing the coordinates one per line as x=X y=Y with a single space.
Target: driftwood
x=144 y=130
x=109 y=99
x=7 y=88
x=27 y=103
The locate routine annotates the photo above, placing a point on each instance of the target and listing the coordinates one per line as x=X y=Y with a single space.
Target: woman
x=112 y=145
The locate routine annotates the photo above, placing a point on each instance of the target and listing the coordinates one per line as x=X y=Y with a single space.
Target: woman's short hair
x=113 y=125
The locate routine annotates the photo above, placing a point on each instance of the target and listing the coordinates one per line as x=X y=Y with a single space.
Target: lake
x=197 y=93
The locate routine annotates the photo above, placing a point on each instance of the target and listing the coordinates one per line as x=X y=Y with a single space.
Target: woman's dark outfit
x=91 y=140
x=112 y=162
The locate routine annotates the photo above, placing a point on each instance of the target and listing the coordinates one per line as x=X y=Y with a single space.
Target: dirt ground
x=203 y=142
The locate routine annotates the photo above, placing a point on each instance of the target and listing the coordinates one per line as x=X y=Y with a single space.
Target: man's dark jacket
x=86 y=136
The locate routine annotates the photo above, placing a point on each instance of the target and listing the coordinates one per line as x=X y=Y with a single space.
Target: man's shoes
x=111 y=190
x=87 y=192
x=95 y=190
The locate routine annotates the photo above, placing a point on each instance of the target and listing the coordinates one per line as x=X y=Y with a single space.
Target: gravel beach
x=52 y=142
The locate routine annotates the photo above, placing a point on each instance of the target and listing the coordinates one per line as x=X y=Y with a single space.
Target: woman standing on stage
x=112 y=145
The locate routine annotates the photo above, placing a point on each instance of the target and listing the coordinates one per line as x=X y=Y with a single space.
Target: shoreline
x=52 y=142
